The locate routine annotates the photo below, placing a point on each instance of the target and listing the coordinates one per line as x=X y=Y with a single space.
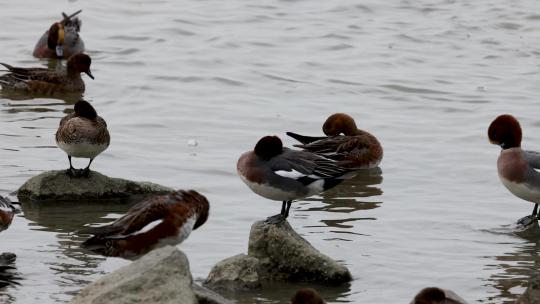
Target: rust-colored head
x=84 y=109
x=430 y=295
x=55 y=39
x=505 y=131
x=307 y=296
x=268 y=147
x=80 y=63
x=339 y=123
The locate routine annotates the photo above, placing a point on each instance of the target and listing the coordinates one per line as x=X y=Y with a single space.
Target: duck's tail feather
x=304 y=139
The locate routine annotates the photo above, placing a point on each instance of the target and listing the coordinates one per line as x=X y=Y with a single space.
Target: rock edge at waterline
x=57 y=185
x=276 y=253
x=161 y=276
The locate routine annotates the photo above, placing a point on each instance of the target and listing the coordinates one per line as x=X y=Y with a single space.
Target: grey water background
x=426 y=77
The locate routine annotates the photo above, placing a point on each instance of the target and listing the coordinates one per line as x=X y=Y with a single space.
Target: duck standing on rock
x=282 y=174
x=62 y=40
x=48 y=82
x=517 y=168
x=155 y=222
x=307 y=296
x=82 y=134
x=356 y=148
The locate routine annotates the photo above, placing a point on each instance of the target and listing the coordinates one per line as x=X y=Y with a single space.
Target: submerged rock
x=532 y=294
x=207 y=296
x=276 y=253
x=57 y=185
x=161 y=276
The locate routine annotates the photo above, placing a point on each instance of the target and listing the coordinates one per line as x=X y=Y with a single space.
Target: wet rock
x=207 y=296
x=532 y=294
x=276 y=253
x=235 y=273
x=161 y=276
x=57 y=185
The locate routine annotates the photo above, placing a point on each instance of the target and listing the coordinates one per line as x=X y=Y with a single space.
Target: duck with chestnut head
x=517 y=168
x=156 y=221
x=307 y=296
x=61 y=40
x=344 y=142
x=279 y=173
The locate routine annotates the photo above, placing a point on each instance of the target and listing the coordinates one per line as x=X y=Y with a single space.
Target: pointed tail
x=304 y=139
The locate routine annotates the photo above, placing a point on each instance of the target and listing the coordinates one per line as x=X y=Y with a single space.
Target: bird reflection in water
x=517 y=268
x=352 y=195
x=8 y=277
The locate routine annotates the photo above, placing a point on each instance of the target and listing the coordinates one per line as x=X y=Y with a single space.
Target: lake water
x=425 y=77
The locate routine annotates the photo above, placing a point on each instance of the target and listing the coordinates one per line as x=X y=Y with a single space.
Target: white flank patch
x=182 y=235
x=522 y=191
x=269 y=192
x=148 y=227
x=316 y=187
x=83 y=150
x=5 y=208
x=290 y=174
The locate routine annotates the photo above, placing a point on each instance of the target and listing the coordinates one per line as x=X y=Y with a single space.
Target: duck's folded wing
x=303 y=138
x=144 y=213
x=300 y=164
x=532 y=158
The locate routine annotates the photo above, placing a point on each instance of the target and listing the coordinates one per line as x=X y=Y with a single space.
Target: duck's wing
x=147 y=212
x=532 y=158
x=302 y=165
x=43 y=75
x=303 y=138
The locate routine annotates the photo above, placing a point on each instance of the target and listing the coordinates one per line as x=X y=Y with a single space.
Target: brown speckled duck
x=355 y=149
x=43 y=81
x=62 y=40
x=155 y=222
x=82 y=134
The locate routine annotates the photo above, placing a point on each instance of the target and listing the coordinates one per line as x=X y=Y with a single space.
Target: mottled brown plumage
x=154 y=222
x=356 y=148
x=43 y=81
x=82 y=134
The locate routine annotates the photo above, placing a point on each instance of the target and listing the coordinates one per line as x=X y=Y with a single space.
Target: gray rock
x=286 y=256
x=235 y=273
x=207 y=296
x=276 y=253
x=57 y=185
x=532 y=294
x=162 y=276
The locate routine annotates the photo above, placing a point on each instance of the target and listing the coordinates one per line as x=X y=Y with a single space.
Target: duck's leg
x=288 y=208
x=528 y=220
x=86 y=171
x=278 y=218
x=71 y=170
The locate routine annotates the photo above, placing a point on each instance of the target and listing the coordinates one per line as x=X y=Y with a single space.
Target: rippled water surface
x=426 y=77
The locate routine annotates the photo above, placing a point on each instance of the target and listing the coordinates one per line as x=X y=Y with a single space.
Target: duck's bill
x=59 y=51
x=89 y=74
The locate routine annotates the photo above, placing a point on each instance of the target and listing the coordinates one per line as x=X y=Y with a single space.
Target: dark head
x=339 y=123
x=84 y=109
x=505 y=131
x=80 y=63
x=202 y=206
x=307 y=296
x=430 y=295
x=55 y=39
x=268 y=147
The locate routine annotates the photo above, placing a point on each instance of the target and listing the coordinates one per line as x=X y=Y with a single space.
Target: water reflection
x=283 y=292
x=9 y=277
x=65 y=218
x=518 y=267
